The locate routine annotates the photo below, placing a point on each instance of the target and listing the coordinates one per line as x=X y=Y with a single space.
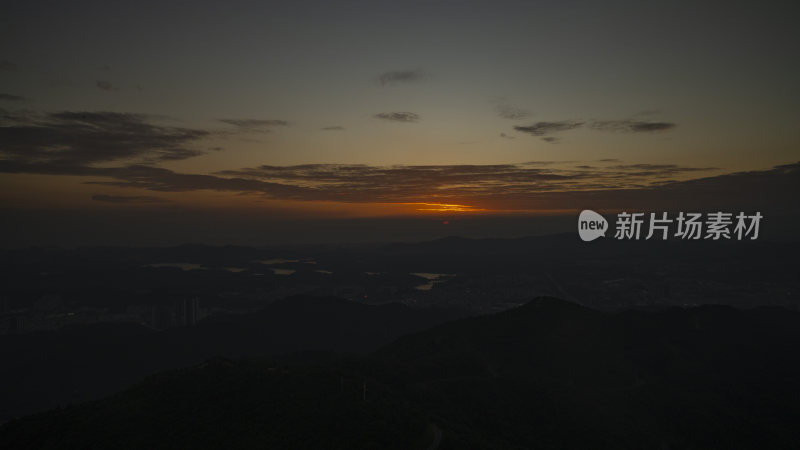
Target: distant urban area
x=161 y=288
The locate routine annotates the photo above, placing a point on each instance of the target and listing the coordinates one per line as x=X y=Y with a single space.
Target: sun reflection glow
x=443 y=207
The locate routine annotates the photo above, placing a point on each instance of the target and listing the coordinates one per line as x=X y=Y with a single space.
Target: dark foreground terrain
x=548 y=374
x=74 y=364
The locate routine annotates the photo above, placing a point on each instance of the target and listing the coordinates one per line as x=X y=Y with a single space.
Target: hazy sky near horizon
x=313 y=108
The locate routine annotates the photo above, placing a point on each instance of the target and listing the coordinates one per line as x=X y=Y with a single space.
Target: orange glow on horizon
x=443 y=207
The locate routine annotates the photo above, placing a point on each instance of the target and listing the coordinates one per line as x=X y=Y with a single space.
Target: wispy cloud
x=104 y=85
x=86 y=138
x=400 y=76
x=632 y=126
x=11 y=98
x=398 y=116
x=512 y=112
x=333 y=128
x=127 y=198
x=545 y=129
x=260 y=124
x=656 y=170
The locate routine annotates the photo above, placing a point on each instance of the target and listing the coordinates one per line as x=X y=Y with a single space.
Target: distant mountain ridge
x=678 y=378
x=548 y=374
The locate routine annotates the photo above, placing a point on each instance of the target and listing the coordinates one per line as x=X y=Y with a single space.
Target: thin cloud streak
x=545 y=130
x=11 y=98
x=512 y=112
x=632 y=126
x=400 y=76
x=127 y=198
x=406 y=117
x=255 y=123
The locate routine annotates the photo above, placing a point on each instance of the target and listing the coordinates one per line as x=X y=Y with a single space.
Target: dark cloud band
x=632 y=126
x=546 y=128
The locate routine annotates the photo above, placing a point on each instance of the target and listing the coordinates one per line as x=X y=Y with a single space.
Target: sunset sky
x=318 y=110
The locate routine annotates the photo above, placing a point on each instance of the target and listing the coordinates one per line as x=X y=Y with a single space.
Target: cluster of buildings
x=50 y=312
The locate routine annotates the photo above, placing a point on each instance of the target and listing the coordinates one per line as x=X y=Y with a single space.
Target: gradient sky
x=363 y=109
